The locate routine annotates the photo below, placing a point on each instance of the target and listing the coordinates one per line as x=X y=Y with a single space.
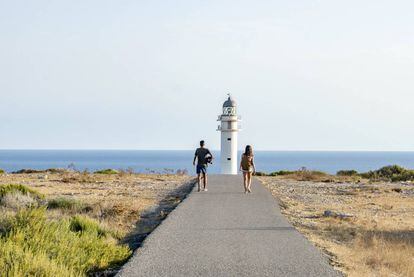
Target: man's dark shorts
x=202 y=168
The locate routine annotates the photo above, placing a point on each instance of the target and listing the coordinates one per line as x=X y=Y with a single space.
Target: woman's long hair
x=248 y=151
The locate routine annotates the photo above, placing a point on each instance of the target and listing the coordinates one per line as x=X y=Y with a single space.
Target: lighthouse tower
x=229 y=128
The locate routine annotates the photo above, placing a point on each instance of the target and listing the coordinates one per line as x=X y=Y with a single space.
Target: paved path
x=224 y=232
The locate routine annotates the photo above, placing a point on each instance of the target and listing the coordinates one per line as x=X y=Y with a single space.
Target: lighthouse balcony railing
x=229 y=117
x=239 y=128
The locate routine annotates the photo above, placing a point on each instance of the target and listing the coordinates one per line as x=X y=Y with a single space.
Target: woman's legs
x=249 y=181
x=245 y=181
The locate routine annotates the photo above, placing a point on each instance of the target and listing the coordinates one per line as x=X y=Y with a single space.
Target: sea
x=157 y=161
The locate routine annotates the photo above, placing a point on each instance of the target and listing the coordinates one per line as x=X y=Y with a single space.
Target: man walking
x=203 y=156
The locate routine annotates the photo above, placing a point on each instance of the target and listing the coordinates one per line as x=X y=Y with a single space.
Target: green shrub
x=12 y=188
x=281 y=173
x=394 y=173
x=32 y=245
x=49 y=170
x=316 y=172
x=300 y=172
x=391 y=170
x=347 y=173
x=107 y=171
x=82 y=224
x=259 y=173
x=27 y=171
x=68 y=204
x=2 y=171
x=407 y=175
x=285 y=172
x=56 y=170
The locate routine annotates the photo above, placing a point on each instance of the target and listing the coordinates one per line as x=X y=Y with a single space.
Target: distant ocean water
x=165 y=161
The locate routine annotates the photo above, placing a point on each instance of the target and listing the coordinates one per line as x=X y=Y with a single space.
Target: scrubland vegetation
x=31 y=244
x=365 y=224
x=392 y=173
x=77 y=224
x=107 y=171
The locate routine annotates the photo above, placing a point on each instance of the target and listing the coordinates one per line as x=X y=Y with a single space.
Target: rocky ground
x=366 y=228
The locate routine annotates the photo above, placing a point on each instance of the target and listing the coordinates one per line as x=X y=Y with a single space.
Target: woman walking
x=247 y=167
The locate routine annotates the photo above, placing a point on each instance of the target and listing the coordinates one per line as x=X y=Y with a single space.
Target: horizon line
x=257 y=150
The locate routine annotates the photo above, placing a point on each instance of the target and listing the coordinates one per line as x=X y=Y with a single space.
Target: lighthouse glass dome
x=229 y=107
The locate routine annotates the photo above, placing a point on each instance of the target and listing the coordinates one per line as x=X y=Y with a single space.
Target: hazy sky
x=307 y=75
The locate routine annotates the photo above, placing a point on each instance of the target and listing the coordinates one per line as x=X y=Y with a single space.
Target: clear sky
x=307 y=75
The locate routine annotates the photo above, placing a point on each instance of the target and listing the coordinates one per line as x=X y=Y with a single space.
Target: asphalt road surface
x=224 y=232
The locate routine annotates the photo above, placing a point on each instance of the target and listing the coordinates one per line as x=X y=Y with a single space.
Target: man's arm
x=195 y=157
x=210 y=154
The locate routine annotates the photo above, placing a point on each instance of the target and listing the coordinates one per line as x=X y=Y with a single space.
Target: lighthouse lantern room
x=229 y=128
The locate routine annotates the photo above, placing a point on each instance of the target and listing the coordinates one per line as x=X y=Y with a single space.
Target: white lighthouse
x=229 y=128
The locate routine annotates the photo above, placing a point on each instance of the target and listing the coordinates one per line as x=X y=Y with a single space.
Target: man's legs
x=205 y=180
x=199 y=181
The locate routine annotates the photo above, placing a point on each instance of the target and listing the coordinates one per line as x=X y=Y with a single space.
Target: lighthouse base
x=229 y=153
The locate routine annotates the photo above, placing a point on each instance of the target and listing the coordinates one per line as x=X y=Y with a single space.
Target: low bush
x=404 y=176
x=259 y=173
x=12 y=188
x=85 y=224
x=82 y=224
x=16 y=197
x=392 y=173
x=32 y=245
x=68 y=204
x=56 y=170
x=107 y=171
x=28 y=171
x=312 y=175
x=302 y=174
x=49 y=170
x=2 y=171
x=347 y=173
x=18 y=201
x=282 y=173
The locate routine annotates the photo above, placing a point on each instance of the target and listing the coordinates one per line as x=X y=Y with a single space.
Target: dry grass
x=304 y=174
x=116 y=200
x=317 y=176
x=375 y=235
x=33 y=245
x=104 y=209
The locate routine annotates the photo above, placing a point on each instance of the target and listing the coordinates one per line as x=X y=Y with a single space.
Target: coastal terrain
x=67 y=223
x=80 y=223
x=365 y=226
